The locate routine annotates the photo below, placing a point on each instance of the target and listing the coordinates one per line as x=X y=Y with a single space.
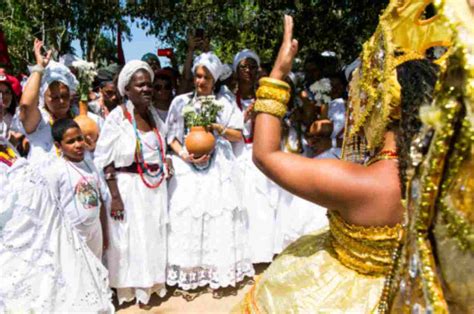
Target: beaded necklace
x=249 y=139
x=142 y=165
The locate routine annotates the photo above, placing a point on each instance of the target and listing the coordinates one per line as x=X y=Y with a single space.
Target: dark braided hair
x=417 y=79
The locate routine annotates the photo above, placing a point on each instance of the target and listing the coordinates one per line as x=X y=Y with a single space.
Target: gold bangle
x=273 y=93
x=270 y=106
x=271 y=82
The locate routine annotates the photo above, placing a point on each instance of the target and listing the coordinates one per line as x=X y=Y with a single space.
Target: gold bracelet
x=274 y=93
x=271 y=82
x=270 y=106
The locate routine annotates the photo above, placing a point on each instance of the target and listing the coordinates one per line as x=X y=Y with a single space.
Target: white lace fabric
x=45 y=266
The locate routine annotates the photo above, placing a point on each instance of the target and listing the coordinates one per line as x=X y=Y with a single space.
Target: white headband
x=127 y=72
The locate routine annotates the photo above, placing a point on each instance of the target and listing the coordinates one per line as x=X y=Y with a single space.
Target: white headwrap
x=226 y=72
x=244 y=54
x=348 y=69
x=127 y=72
x=211 y=62
x=57 y=72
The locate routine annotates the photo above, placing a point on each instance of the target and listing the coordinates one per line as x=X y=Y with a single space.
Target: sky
x=137 y=47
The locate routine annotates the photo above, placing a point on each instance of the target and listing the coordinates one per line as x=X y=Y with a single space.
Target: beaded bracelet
x=270 y=106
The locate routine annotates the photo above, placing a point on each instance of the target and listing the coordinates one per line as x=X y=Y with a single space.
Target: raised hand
x=40 y=58
x=288 y=50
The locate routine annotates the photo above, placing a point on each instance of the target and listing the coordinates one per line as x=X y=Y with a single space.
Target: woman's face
x=203 y=81
x=109 y=95
x=162 y=90
x=140 y=89
x=248 y=70
x=57 y=99
x=7 y=95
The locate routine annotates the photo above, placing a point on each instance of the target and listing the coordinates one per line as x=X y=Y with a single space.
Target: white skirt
x=136 y=257
x=261 y=199
x=207 y=240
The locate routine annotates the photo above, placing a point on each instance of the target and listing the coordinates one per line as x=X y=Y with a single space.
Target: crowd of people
x=190 y=178
x=154 y=213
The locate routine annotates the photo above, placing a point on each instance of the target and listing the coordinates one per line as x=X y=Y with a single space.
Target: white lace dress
x=45 y=266
x=260 y=198
x=136 y=257
x=207 y=240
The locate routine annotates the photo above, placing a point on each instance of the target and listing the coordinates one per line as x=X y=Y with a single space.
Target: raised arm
x=30 y=115
x=331 y=183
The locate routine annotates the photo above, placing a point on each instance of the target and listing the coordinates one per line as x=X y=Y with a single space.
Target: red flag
x=4 y=57
x=120 y=56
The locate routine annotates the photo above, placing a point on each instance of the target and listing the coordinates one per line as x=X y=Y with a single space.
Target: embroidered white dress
x=207 y=241
x=136 y=257
x=260 y=198
x=81 y=189
x=45 y=266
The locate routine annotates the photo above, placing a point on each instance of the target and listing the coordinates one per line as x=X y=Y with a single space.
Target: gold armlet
x=270 y=106
x=271 y=82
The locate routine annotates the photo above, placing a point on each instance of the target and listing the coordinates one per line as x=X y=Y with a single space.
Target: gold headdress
x=403 y=34
x=433 y=273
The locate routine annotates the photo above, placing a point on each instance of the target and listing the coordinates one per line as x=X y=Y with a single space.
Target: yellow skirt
x=308 y=278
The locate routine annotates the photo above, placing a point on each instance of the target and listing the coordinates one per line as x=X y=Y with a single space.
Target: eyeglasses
x=159 y=87
x=250 y=67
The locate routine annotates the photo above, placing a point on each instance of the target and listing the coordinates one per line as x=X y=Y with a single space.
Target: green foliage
x=206 y=116
x=337 y=25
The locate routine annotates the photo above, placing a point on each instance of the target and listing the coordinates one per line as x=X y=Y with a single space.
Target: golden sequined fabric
x=340 y=270
x=367 y=250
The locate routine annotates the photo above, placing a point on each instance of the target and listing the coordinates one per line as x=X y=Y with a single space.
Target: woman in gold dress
x=344 y=269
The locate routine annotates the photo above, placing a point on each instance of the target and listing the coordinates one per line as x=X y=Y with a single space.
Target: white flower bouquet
x=85 y=74
x=321 y=90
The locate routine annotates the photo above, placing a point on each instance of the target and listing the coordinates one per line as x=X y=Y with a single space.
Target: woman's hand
x=288 y=50
x=40 y=58
x=117 y=209
x=219 y=128
x=169 y=165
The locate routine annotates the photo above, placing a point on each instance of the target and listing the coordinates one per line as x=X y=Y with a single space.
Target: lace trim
x=189 y=278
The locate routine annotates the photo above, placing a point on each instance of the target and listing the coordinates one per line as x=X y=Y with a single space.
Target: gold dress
x=339 y=270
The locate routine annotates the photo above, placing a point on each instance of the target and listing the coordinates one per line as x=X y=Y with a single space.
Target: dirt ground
x=201 y=301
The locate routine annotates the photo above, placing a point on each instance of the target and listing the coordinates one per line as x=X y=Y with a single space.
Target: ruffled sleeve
x=175 y=120
x=116 y=143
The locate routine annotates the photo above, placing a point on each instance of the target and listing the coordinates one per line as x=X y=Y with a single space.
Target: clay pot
x=88 y=126
x=200 y=141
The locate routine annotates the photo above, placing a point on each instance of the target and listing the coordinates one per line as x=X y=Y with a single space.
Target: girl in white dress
x=131 y=149
x=207 y=242
x=260 y=195
x=45 y=266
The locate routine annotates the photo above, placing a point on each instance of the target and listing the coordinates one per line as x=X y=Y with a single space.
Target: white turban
x=244 y=54
x=226 y=72
x=57 y=72
x=127 y=72
x=211 y=62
